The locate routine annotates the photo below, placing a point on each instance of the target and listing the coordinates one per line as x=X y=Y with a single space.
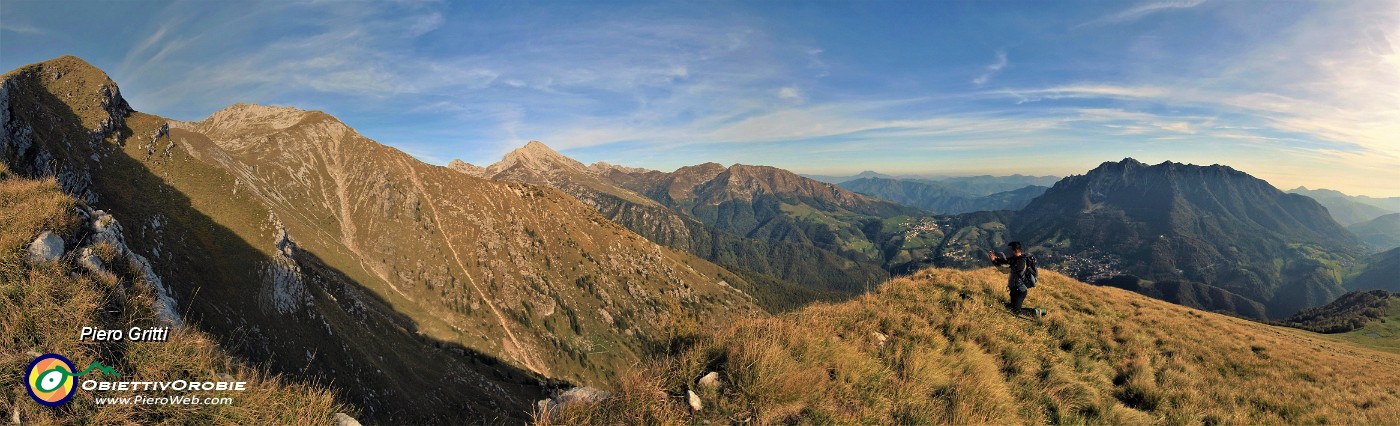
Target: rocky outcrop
x=103 y=229
x=283 y=283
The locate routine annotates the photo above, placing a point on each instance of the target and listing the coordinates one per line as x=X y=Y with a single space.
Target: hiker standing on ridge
x=1022 y=279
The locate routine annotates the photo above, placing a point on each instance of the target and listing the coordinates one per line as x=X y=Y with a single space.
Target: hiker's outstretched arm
x=997 y=260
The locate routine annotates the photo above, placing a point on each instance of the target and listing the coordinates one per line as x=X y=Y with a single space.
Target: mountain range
x=416 y=293
x=783 y=272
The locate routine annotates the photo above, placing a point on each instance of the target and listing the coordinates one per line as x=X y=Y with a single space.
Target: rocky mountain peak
x=86 y=90
x=245 y=116
x=534 y=156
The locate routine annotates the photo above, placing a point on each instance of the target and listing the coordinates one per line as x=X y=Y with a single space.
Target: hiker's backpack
x=1029 y=274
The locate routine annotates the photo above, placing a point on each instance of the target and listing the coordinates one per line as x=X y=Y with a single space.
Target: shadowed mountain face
x=1208 y=225
x=938 y=197
x=420 y=293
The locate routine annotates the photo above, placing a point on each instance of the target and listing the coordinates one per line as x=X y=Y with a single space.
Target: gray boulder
x=47 y=248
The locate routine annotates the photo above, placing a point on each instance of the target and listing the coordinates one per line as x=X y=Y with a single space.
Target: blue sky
x=1298 y=93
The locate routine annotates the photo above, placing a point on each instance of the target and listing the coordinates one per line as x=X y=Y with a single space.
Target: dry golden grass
x=939 y=347
x=43 y=307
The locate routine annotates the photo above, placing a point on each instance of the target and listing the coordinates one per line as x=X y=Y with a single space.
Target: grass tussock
x=44 y=306
x=939 y=347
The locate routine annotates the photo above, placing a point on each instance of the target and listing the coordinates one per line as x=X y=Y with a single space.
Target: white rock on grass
x=709 y=380
x=47 y=248
x=694 y=400
x=341 y=419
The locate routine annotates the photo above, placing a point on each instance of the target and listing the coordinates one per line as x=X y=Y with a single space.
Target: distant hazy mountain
x=987 y=185
x=839 y=179
x=1382 y=233
x=973 y=185
x=1209 y=225
x=938 y=197
x=1349 y=210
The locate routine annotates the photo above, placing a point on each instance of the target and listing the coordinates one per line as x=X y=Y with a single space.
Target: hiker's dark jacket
x=1018 y=270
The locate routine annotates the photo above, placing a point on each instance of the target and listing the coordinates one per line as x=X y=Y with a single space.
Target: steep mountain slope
x=938 y=347
x=1210 y=225
x=780 y=275
x=89 y=283
x=482 y=257
x=940 y=198
x=1382 y=233
x=422 y=294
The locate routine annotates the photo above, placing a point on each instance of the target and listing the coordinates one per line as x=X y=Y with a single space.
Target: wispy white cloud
x=1139 y=11
x=21 y=28
x=991 y=70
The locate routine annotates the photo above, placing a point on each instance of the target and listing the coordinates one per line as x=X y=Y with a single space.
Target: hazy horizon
x=1296 y=93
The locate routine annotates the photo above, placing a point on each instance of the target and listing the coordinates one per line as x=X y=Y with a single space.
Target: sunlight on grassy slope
x=938 y=347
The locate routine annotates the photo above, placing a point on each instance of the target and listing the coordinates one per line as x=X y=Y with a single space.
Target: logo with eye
x=50 y=378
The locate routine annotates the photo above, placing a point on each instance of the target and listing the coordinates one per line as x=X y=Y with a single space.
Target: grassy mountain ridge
x=939 y=347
